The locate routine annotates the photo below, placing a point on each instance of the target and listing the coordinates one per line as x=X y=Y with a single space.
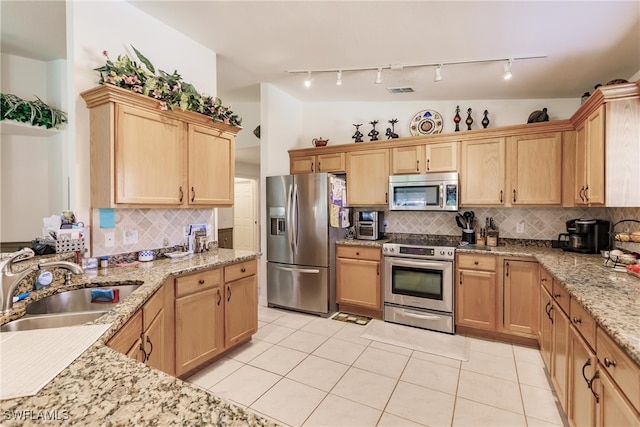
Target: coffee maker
x=587 y=236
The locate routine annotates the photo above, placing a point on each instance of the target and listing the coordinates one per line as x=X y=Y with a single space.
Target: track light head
x=378 y=76
x=339 y=78
x=506 y=69
x=307 y=81
x=438 y=73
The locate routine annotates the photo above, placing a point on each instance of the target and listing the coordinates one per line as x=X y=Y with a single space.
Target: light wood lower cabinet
x=241 y=302
x=359 y=278
x=476 y=291
x=560 y=352
x=546 y=326
x=614 y=410
x=581 y=404
x=521 y=294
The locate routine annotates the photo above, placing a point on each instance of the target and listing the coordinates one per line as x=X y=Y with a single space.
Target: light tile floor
x=303 y=370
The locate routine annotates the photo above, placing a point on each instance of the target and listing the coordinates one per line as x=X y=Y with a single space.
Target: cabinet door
x=476 y=299
x=594 y=191
x=127 y=339
x=613 y=408
x=482 y=172
x=546 y=326
x=368 y=177
x=535 y=168
x=358 y=283
x=154 y=343
x=581 y=403
x=241 y=310
x=407 y=160
x=581 y=164
x=211 y=167
x=199 y=328
x=333 y=163
x=442 y=157
x=521 y=293
x=149 y=158
x=560 y=353
x=303 y=164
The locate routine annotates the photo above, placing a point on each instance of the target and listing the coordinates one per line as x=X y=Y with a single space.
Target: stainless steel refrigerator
x=301 y=241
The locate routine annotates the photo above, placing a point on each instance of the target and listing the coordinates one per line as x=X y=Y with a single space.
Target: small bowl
x=145 y=256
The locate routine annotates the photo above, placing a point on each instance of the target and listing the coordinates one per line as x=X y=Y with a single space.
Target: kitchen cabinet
x=442 y=157
x=589 y=177
x=368 y=177
x=614 y=409
x=531 y=184
x=142 y=156
x=408 y=160
x=225 y=238
x=476 y=293
x=199 y=319
x=331 y=163
x=128 y=340
x=482 y=172
x=241 y=302
x=560 y=343
x=521 y=291
x=427 y=158
x=359 y=280
x=546 y=326
x=581 y=404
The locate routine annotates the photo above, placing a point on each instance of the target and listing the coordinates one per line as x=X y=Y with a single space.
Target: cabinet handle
x=428 y=165
x=550 y=316
x=145 y=356
x=507 y=273
x=378 y=269
x=193 y=194
x=577 y=320
x=201 y=282
x=475 y=262
x=500 y=196
x=609 y=362
x=357 y=253
x=596 y=395
x=461 y=278
x=243 y=270
x=587 y=380
x=586 y=195
x=543 y=279
x=312 y=165
x=580 y=193
x=547 y=309
x=556 y=296
x=181 y=194
x=386 y=197
x=219 y=297
x=319 y=168
x=150 y=351
x=514 y=195
x=228 y=293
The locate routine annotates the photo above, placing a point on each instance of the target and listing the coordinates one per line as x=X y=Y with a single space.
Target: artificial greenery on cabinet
x=36 y=113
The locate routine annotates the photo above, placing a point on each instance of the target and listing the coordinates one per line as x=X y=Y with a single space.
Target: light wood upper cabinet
x=442 y=157
x=143 y=156
x=149 y=158
x=211 y=167
x=408 y=160
x=590 y=144
x=331 y=163
x=368 y=177
x=302 y=164
x=482 y=172
x=534 y=167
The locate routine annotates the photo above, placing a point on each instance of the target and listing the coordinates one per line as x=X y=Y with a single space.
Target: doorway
x=245 y=215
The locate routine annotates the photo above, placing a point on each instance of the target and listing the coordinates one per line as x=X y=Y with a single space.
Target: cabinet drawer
x=620 y=367
x=152 y=307
x=546 y=280
x=584 y=323
x=240 y=270
x=359 y=252
x=124 y=340
x=197 y=282
x=477 y=262
x=561 y=297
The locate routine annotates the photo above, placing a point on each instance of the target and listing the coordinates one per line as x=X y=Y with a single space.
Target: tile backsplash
x=152 y=225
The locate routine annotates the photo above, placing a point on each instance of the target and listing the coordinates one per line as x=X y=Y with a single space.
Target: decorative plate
x=426 y=122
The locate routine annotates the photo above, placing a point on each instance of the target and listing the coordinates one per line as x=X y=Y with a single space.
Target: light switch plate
x=520 y=227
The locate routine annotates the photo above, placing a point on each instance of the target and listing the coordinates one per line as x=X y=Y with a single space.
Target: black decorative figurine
x=485 y=121
x=374 y=133
x=391 y=132
x=358 y=135
x=469 y=120
x=538 y=116
x=457 y=118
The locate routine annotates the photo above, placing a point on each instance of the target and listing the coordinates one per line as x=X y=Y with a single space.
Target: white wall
x=250 y=113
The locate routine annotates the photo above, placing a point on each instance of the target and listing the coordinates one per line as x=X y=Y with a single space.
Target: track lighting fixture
x=506 y=69
x=438 y=74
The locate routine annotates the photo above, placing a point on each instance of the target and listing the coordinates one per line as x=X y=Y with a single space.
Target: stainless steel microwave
x=425 y=192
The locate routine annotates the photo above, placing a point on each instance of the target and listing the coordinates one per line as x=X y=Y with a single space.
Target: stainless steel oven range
x=418 y=285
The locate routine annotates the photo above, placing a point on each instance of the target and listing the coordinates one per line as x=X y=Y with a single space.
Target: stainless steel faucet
x=9 y=280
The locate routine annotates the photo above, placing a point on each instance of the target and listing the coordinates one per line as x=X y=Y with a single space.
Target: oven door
x=419 y=283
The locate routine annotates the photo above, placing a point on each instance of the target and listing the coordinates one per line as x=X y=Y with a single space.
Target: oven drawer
x=477 y=262
x=358 y=252
x=424 y=319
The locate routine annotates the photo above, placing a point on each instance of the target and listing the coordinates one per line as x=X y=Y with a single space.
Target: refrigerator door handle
x=288 y=216
x=295 y=217
x=299 y=270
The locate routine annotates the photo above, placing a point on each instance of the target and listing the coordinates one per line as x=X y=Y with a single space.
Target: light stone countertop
x=611 y=298
x=104 y=387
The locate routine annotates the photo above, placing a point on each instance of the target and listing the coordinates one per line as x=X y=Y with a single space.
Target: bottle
x=43 y=279
x=104 y=262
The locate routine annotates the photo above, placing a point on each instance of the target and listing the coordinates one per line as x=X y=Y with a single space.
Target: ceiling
x=583 y=43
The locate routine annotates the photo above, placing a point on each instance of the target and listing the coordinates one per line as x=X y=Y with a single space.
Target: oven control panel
x=415 y=251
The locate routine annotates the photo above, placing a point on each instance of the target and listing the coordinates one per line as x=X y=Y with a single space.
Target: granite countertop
x=358 y=242
x=612 y=298
x=105 y=387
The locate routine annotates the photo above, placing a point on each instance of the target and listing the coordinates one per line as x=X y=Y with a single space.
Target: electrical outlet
x=109 y=239
x=520 y=227
x=130 y=236
x=385 y=224
x=165 y=242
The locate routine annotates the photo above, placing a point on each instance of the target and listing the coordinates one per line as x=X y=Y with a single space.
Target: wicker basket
x=62 y=246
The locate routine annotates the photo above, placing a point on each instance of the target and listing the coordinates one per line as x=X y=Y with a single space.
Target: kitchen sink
x=45 y=321
x=78 y=300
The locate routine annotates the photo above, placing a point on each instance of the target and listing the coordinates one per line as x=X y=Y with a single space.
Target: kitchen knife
x=460 y=221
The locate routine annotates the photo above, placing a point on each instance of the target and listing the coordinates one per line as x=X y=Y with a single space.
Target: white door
x=245 y=215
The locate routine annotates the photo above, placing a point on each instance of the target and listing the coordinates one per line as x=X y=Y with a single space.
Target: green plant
x=35 y=112
x=169 y=89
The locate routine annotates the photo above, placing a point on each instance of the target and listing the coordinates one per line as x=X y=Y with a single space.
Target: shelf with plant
x=34 y=113
x=169 y=90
